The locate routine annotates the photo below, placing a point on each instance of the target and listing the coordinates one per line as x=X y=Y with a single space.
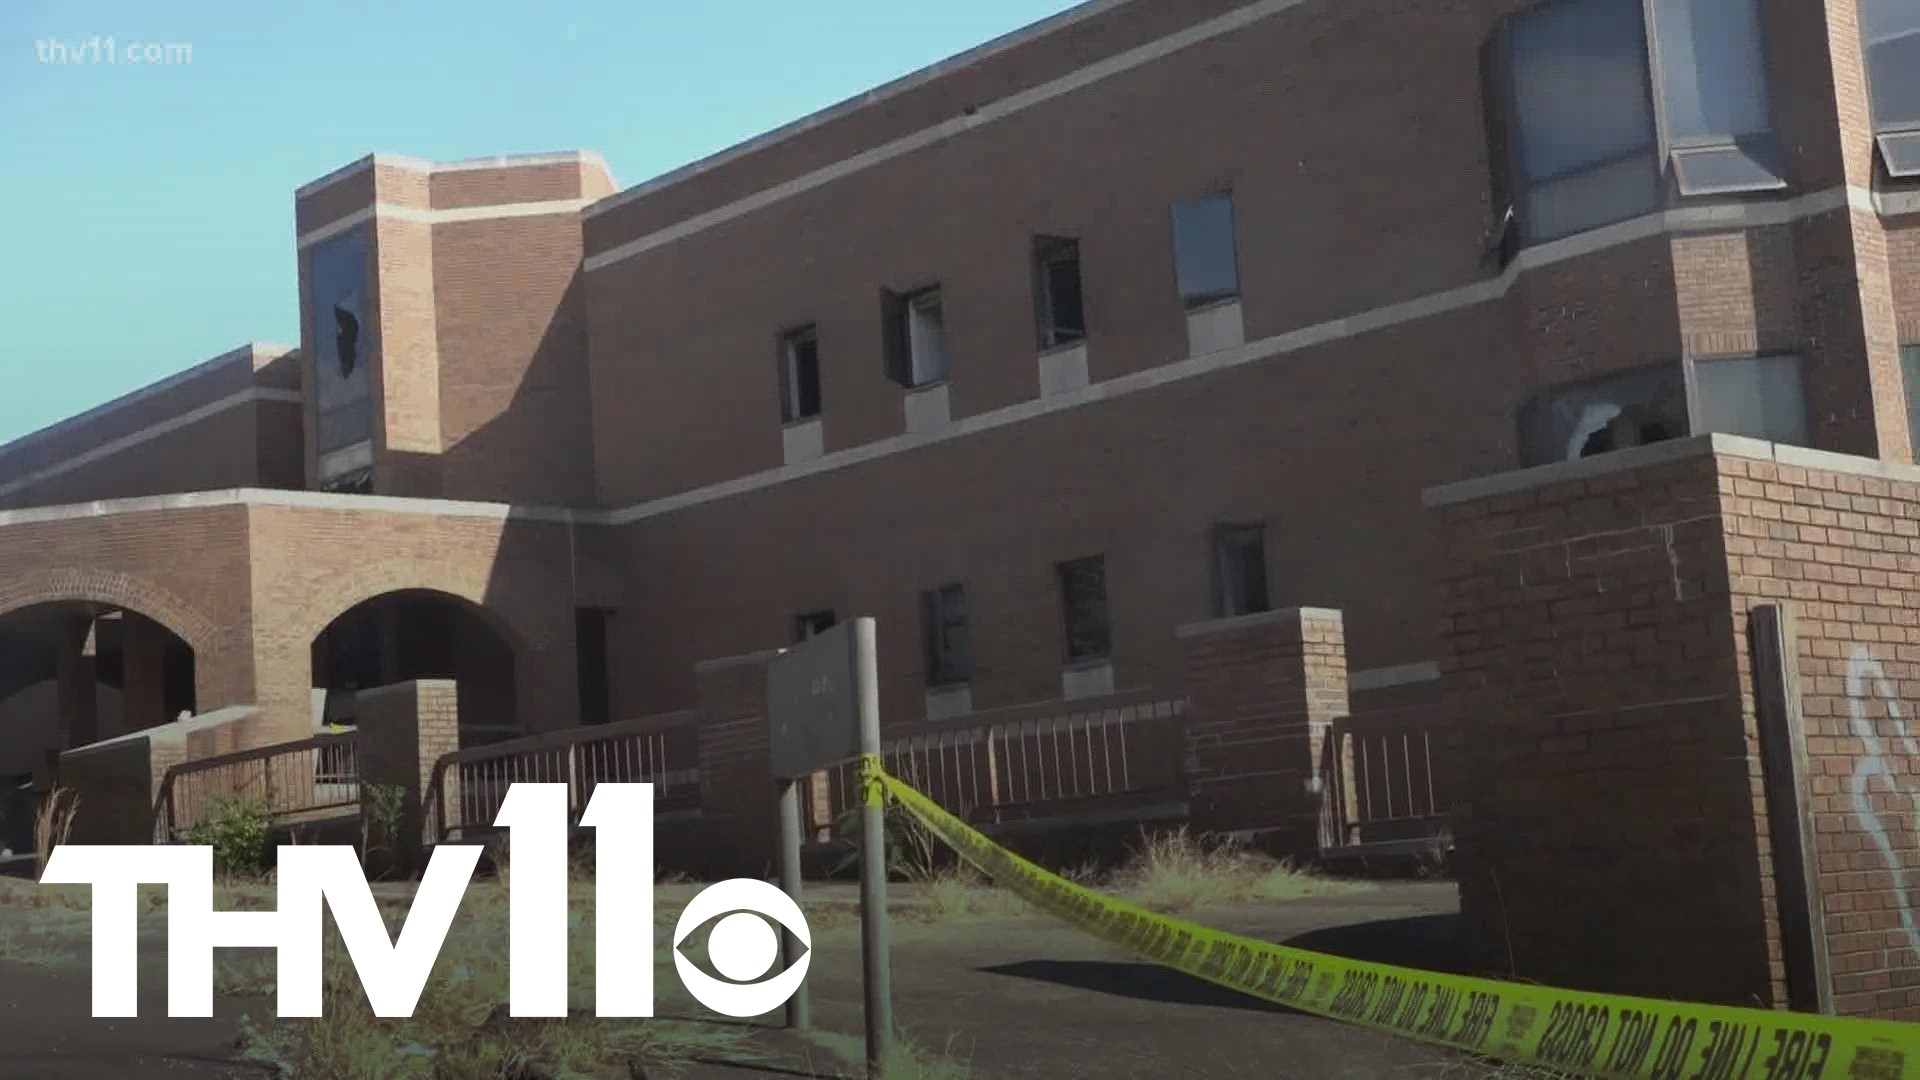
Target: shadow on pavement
x=1426 y=942
x=1147 y=982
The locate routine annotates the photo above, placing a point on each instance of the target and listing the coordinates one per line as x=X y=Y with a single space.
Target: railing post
x=574 y=809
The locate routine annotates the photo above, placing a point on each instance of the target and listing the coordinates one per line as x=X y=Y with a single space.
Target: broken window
x=1239 y=569
x=1760 y=397
x=1056 y=278
x=916 y=337
x=799 y=375
x=811 y=625
x=1205 y=259
x=342 y=341
x=1576 y=420
x=1890 y=30
x=353 y=482
x=1083 y=596
x=943 y=613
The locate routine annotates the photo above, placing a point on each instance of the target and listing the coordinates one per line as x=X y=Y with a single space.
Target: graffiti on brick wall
x=1877 y=720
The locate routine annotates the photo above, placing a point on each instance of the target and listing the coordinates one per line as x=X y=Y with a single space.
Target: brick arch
x=342 y=594
x=114 y=589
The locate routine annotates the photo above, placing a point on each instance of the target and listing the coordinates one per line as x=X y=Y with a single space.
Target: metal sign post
x=824 y=710
x=874 y=936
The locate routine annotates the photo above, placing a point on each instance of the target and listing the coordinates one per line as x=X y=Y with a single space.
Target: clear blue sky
x=146 y=212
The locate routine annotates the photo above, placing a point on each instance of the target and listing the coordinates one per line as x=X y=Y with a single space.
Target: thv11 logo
x=741 y=945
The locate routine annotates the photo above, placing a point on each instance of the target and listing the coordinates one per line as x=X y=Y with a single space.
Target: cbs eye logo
x=742 y=946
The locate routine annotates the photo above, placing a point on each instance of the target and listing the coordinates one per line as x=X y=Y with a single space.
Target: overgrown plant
x=384 y=816
x=52 y=824
x=238 y=829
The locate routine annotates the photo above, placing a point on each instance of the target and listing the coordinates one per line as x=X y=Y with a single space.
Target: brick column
x=404 y=729
x=1261 y=690
x=74 y=672
x=736 y=771
x=142 y=673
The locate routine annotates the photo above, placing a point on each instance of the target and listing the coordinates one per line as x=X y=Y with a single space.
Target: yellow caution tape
x=1602 y=1035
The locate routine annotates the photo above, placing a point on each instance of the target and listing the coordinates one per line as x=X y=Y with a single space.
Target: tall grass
x=52 y=824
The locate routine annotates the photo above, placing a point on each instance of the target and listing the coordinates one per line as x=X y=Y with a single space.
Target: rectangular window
x=1239 y=570
x=916 y=337
x=811 y=625
x=1582 y=150
x=1204 y=256
x=1759 y=397
x=943 y=614
x=1083 y=597
x=1910 y=368
x=799 y=374
x=1890 y=30
x=1713 y=96
x=1056 y=280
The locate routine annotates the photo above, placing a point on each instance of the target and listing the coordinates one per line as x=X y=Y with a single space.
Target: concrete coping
x=403 y=687
x=171 y=731
x=421 y=165
x=764 y=656
x=1260 y=618
x=1639 y=457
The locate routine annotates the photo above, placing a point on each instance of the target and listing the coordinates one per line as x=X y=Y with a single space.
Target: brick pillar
x=405 y=729
x=1261 y=690
x=142 y=672
x=74 y=672
x=736 y=772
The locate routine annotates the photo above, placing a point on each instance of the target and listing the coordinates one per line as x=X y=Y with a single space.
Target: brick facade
x=1613 y=822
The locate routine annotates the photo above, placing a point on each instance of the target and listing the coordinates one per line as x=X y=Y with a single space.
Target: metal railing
x=292 y=779
x=466 y=787
x=1057 y=759
x=1378 y=782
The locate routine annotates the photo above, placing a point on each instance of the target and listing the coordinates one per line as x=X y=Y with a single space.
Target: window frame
x=1696 y=398
x=1207 y=300
x=1887 y=133
x=1512 y=229
x=1218 y=543
x=789 y=367
x=942 y=669
x=1062 y=574
x=896 y=316
x=1047 y=252
x=808 y=625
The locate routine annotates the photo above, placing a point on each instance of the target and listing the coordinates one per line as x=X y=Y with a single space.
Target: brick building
x=1152 y=313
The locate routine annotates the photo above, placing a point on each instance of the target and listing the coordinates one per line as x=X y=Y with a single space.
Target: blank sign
x=814 y=704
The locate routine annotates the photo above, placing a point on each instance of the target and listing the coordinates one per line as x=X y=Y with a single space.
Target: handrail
x=319 y=772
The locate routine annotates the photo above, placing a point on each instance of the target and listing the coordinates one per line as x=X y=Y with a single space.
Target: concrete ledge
x=1560 y=472
x=1381 y=678
x=300 y=500
x=1640 y=457
x=764 y=656
x=173 y=731
x=1260 y=618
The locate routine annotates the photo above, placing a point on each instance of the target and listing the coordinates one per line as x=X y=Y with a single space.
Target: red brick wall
x=1606 y=814
x=1611 y=803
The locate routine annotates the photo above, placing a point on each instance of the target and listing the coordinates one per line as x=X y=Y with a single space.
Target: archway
x=74 y=672
x=418 y=634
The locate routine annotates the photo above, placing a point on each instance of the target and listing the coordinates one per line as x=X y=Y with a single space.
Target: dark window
x=812 y=625
x=1083 y=598
x=1056 y=281
x=1890 y=30
x=799 y=375
x=1576 y=420
x=590 y=652
x=943 y=614
x=915 y=336
x=1204 y=256
x=1239 y=570
x=1910 y=368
